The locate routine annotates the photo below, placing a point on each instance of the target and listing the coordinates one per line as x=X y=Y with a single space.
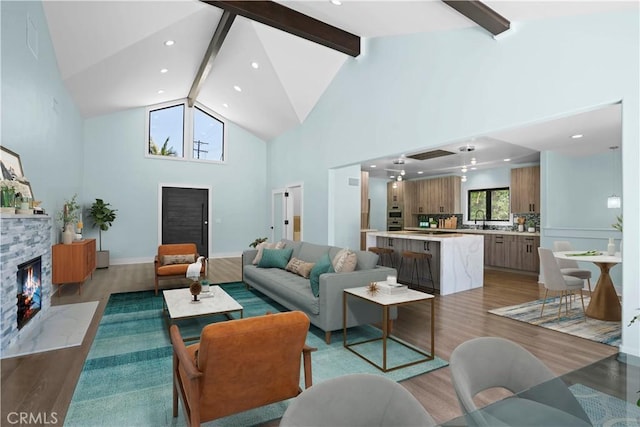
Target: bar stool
x=382 y=252
x=415 y=267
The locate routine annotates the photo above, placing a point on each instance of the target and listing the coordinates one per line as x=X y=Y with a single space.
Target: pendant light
x=613 y=201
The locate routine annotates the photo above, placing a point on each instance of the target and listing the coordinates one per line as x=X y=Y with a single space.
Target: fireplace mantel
x=22 y=238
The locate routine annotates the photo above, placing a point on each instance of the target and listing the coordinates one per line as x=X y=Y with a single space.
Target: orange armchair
x=239 y=365
x=165 y=270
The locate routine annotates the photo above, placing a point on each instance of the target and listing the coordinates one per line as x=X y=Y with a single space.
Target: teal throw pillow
x=275 y=258
x=322 y=266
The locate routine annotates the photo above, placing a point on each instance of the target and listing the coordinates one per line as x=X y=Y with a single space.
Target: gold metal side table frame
x=387 y=301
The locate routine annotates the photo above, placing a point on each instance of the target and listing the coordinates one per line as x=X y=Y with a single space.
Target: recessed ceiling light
x=255 y=65
x=464 y=169
x=420 y=172
x=473 y=168
x=160 y=91
x=507 y=160
x=392 y=176
x=473 y=160
x=237 y=88
x=169 y=43
x=336 y=2
x=225 y=105
x=577 y=136
x=372 y=166
x=164 y=70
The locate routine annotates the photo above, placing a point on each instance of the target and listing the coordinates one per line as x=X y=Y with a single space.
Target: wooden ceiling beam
x=277 y=16
x=212 y=51
x=481 y=14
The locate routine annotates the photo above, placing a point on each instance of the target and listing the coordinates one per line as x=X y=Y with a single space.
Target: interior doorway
x=286 y=213
x=184 y=216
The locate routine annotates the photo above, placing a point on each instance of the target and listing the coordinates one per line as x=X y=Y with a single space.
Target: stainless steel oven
x=394 y=214
x=395 y=225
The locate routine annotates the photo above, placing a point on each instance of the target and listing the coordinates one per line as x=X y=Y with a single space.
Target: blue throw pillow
x=275 y=258
x=322 y=266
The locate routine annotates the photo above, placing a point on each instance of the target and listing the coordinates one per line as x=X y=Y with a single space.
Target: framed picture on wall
x=11 y=165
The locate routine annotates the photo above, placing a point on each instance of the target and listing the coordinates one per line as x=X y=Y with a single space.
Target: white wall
x=39 y=119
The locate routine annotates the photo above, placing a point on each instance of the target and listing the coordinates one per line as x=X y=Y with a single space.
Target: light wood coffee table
x=180 y=305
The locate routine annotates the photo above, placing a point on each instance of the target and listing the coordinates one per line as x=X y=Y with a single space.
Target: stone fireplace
x=25 y=249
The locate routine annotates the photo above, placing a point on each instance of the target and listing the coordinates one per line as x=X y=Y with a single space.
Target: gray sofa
x=325 y=311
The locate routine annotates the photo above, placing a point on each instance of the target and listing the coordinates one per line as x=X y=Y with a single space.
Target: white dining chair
x=569 y=267
x=554 y=280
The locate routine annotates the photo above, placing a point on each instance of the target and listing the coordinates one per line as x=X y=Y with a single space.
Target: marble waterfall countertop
x=458 y=257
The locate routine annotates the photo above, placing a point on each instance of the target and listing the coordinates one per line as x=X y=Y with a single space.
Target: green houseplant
x=102 y=216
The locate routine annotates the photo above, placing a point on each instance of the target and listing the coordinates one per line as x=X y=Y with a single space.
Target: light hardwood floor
x=44 y=382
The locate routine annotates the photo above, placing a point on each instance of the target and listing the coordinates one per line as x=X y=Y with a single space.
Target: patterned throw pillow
x=264 y=245
x=345 y=261
x=299 y=267
x=275 y=258
x=178 y=259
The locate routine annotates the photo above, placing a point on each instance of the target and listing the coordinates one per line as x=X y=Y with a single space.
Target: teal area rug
x=573 y=324
x=126 y=379
x=605 y=410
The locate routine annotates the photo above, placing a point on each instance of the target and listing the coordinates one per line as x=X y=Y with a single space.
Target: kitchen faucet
x=484 y=217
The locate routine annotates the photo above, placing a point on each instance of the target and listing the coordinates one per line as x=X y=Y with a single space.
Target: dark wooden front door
x=185 y=213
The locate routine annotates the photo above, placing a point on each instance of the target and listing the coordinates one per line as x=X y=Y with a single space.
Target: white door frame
x=287 y=210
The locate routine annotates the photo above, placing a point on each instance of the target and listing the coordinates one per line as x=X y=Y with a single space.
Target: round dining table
x=605 y=303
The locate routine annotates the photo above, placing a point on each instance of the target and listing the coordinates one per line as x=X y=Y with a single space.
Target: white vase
x=611 y=247
x=521 y=227
x=68 y=234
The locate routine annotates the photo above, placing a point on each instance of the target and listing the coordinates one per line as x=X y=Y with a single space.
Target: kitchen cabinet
x=395 y=194
x=410 y=201
x=73 y=263
x=364 y=200
x=512 y=251
x=526 y=254
x=525 y=190
x=437 y=195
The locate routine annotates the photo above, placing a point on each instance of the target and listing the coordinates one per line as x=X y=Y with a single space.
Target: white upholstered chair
x=541 y=398
x=554 y=280
x=570 y=267
x=356 y=400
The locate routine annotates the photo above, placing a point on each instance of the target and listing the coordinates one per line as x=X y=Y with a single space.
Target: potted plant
x=102 y=216
x=531 y=226
x=69 y=216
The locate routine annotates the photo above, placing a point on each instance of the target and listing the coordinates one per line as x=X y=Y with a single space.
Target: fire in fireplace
x=29 y=290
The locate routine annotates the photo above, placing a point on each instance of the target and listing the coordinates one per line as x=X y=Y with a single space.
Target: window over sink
x=488 y=204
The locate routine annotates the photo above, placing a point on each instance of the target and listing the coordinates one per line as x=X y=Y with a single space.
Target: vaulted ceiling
x=111 y=53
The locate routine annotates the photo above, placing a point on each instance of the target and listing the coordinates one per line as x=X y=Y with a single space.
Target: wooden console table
x=73 y=263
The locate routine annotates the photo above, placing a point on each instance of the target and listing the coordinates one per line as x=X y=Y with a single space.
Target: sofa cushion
x=275 y=258
x=311 y=252
x=300 y=267
x=322 y=266
x=177 y=259
x=366 y=260
x=293 y=290
x=345 y=261
x=264 y=245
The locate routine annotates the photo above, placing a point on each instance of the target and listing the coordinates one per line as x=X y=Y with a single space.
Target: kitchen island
x=457 y=260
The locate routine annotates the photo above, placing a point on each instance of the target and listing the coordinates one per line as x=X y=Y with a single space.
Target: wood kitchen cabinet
x=525 y=190
x=512 y=251
x=73 y=263
x=526 y=254
x=410 y=201
x=395 y=196
x=438 y=195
